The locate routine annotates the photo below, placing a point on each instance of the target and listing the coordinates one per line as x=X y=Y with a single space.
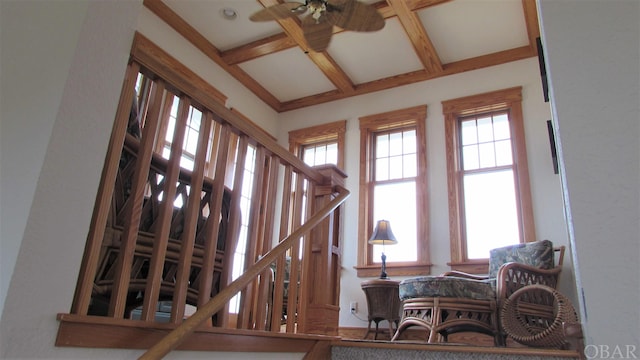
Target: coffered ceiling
x=421 y=40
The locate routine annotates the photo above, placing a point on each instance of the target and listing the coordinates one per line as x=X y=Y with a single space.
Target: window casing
x=393 y=187
x=319 y=145
x=488 y=179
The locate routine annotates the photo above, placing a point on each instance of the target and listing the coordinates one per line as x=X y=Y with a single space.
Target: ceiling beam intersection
x=325 y=63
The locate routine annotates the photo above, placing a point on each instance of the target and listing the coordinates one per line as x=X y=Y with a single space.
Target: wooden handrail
x=177 y=335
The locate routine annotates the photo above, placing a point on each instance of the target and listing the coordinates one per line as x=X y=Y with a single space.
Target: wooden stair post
x=321 y=292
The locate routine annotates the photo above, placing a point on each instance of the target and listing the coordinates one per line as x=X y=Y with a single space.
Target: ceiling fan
x=322 y=15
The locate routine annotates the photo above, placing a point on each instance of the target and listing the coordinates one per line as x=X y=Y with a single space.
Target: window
x=319 y=145
x=393 y=187
x=489 y=191
x=320 y=153
x=240 y=253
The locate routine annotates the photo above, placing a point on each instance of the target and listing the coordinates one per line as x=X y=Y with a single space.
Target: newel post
x=322 y=273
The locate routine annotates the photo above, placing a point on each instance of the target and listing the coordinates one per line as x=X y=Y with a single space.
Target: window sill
x=471 y=266
x=393 y=270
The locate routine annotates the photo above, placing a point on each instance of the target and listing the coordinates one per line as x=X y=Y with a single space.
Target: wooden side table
x=383 y=303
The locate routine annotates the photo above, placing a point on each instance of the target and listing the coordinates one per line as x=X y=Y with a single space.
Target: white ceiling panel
x=288 y=74
x=206 y=17
x=368 y=56
x=463 y=29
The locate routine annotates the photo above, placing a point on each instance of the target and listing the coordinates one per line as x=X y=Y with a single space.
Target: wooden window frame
x=511 y=101
x=414 y=117
x=334 y=131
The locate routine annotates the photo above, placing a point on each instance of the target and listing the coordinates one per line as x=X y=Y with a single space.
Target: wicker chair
x=457 y=302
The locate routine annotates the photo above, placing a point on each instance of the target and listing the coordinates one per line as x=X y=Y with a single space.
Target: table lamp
x=382 y=235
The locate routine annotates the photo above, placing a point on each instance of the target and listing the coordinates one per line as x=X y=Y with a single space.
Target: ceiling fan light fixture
x=317 y=8
x=322 y=16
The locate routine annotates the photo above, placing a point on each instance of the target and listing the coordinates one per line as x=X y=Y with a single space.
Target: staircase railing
x=168 y=236
x=175 y=337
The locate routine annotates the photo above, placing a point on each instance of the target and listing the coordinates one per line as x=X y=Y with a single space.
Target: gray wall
x=593 y=59
x=29 y=103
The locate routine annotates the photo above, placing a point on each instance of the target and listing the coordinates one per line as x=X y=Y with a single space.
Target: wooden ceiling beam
x=418 y=36
x=256 y=49
x=421 y=4
x=325 y=63
x=479 y=62
x=531 y=20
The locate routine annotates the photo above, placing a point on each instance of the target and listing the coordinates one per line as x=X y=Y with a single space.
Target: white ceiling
x=458 y=30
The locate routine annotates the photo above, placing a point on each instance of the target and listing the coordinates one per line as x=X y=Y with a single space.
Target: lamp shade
x=382 y=234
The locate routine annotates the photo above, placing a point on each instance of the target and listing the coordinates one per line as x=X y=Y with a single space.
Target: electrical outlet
x=353 y=307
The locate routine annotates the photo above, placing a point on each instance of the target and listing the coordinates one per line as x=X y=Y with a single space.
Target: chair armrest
x=465 y=275
x=513 y=276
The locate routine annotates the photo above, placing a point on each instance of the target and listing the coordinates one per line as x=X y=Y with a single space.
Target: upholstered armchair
x=458 y=302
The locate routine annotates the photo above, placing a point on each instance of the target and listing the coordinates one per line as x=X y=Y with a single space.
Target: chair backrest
x=539 y=254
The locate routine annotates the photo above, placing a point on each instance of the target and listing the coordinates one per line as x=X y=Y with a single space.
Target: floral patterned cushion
x=538 y=254
x=446 y=286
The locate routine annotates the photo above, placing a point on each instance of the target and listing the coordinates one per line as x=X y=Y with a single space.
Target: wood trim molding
x=316 y=133
x=506 y=99
x=325 y=132
x=413 y=116
x=495 y=100
x=393 y=270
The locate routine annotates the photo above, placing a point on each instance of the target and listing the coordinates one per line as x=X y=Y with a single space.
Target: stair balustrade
x=169 y=235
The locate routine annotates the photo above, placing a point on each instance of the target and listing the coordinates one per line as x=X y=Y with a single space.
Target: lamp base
x=383 y=273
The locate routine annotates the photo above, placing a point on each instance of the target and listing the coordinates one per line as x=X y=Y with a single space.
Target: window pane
x=485 y=129
x=395 y=144
x=191 y=140
x=171 y=125
x=487 y=155
x=409 y=142
x=245 y=210
x=382 y=169
x=186 y=163
x=470 y=157
x=332 y=153
x=395 y=167
x=382 y=146
x=321 y=155
x=410 y=165
x=503 y=153
x=397 y=203
x=501 y=129
x=469 y=133
x=308 y=156
x=491 y=213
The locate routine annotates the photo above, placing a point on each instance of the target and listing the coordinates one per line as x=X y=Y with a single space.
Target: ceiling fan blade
x=354 y=15
x=317 y=33
x=280 y=11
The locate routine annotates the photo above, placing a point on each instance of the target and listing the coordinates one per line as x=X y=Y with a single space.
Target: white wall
x=29 y=103
x=78 y=113
x=546 y=190
x=593 y=58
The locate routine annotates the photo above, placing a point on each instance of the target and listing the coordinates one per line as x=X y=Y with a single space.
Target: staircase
x=383 y=350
